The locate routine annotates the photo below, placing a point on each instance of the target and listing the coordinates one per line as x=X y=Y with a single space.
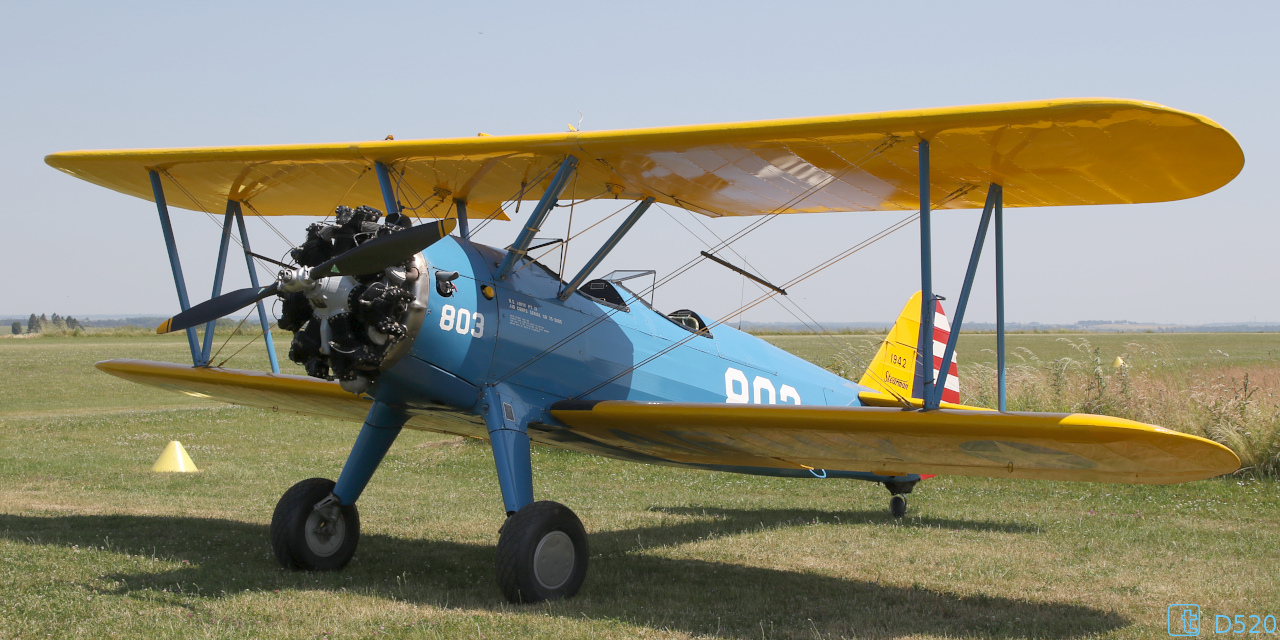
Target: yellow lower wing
x=891 y=441
x=281 y=392
x=884 y=440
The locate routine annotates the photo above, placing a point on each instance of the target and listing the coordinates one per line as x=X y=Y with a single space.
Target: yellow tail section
x=896 y=369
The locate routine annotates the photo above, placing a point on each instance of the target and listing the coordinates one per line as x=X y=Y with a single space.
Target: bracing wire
x=768 y=294
x=515 y=199
x=769 y=217
x=403 y=184
x=270 y=226
x=214 y=219
x=564 y=246
x=819 y=331
x=246 y=345
x=351 y=188
x=881 y=148
x=252 y=309
x=574 y=236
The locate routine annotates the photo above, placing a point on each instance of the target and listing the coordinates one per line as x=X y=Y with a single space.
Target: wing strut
x=219 y=270
x=539 y=215
x=464 y=225
x=253 y=280
x=1000 y=295
x=928 y=305
x=994 y=194
x=606 y=248
x=389 y=199
x=932 y=390
x=200 y=354
x=179 y=282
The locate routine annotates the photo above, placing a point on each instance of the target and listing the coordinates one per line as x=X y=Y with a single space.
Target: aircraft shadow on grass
x=774 y=518
x=227 y=557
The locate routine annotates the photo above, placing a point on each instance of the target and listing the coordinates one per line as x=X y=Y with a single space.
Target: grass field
x=92 y=544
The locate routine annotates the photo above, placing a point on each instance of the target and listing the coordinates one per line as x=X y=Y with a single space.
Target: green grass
x=92 y=544
x=56 y=373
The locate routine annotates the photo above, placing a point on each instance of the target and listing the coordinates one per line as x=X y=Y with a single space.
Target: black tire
x=898 y=505
x=542 y=554
x=303 y=539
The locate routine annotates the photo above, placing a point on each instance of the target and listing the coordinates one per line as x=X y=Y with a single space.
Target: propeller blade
x=216 y=308
x=385 y=251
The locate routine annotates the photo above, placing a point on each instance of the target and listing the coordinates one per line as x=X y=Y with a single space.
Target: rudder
x=897 y=369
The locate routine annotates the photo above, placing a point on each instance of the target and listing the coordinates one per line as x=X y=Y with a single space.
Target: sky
x=130 y=74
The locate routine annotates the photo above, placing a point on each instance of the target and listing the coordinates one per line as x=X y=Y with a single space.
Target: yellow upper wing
x=1044 y=153
x=894 y=442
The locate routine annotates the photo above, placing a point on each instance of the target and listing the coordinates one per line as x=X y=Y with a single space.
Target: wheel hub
x=553 y=560
x=325 y=534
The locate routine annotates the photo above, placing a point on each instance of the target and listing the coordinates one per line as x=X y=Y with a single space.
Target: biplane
x=406 y=322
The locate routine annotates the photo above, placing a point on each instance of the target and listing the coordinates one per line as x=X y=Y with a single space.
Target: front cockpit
x=605 y=291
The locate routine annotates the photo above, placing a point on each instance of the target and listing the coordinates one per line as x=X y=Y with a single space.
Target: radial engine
x=351 y=328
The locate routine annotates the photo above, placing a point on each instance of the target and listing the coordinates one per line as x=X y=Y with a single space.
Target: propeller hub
x=292 y=280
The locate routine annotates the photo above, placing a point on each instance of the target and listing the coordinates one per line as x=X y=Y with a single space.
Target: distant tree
x=57 y=322
x=33 y=324
x=17 y=328
x=73 y=324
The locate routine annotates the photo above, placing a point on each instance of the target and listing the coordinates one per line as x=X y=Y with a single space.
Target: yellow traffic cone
x=174 y=459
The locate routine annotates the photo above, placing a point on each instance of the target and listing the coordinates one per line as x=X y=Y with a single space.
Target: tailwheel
x=898 y=505
x=542 y=554
x=311 y=530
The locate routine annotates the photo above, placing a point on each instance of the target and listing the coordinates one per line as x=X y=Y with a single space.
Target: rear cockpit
x=690 y=320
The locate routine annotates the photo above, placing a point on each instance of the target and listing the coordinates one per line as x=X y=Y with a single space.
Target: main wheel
x=309 y=539
x=898 y=505
x=542 y=554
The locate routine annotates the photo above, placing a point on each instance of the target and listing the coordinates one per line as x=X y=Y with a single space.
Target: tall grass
x=1236 y=407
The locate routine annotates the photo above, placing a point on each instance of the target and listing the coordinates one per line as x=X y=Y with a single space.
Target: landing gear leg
x=542 y=547
x=316 y=525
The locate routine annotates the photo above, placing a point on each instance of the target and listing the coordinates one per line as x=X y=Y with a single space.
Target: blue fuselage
x=546 y=350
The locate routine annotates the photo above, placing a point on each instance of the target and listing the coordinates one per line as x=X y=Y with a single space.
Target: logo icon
x=1184 y=620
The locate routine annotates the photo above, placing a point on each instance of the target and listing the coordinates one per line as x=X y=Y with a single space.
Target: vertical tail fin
x=897 y=369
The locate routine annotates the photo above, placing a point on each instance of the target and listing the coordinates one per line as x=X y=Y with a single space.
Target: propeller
x=370 y=257
x=384 y=251
x=217 y=307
